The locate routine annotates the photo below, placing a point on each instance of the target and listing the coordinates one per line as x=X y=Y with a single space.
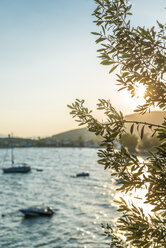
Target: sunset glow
x=48 y=59
x=140 y=94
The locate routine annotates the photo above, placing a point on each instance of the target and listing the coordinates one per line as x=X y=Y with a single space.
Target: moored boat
x=23 y=168
x=81 y=174
x=17 y=169
x=37 y=211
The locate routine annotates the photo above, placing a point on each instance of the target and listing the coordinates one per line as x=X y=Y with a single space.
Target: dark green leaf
x=132 y=128
x=142 y=132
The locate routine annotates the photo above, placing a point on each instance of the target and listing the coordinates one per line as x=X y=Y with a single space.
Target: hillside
x=76 y=135
x=155 y=117
x=81 y=136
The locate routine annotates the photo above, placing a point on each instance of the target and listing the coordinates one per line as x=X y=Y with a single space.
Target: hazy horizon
x=148 y=117
x=49 y=58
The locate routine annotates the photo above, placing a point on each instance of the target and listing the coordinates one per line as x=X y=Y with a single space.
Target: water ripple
x=81 y=204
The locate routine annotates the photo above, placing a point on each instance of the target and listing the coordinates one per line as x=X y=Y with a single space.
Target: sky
x=48 y=59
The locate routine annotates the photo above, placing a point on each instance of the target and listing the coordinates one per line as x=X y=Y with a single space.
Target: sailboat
x=16 y=169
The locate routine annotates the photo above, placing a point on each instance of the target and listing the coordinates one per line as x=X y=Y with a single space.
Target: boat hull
x=82 y=174
x=35 y=212
x=18 y=169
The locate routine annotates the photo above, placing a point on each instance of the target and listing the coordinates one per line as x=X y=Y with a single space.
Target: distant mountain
x=79 y=134
x=155 y=117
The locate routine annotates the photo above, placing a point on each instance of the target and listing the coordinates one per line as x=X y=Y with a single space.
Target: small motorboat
x=81 y=174
x=37 y=211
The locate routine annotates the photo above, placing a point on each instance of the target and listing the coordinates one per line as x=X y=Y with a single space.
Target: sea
x=81 y=204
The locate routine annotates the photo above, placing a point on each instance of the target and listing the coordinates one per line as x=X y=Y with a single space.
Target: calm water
x=82 y=204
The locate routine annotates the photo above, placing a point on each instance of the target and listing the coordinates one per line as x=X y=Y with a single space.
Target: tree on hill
x=148 y=143
x=140 y=55
x=129 y=141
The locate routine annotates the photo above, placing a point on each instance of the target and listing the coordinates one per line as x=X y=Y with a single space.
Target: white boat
x=23 y=168
x=37 y=211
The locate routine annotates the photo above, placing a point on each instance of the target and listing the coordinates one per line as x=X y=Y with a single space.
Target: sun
x=140 y=91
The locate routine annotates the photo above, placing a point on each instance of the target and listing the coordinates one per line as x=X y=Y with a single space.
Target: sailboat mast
x=12 y=154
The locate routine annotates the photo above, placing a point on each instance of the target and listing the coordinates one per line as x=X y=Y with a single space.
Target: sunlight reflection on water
x=82 y=203
x=137 y=197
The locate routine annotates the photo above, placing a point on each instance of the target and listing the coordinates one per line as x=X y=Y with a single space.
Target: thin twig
x=144 y=123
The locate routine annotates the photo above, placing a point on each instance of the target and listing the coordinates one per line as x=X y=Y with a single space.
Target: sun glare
x=140 y=91
x=138 y=196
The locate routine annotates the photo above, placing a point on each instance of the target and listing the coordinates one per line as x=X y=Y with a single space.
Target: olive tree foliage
x=129 y=141
x=140 y=55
